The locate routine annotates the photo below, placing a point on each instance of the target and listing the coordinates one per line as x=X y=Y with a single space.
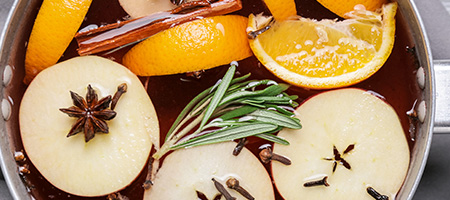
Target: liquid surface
x=395 y=82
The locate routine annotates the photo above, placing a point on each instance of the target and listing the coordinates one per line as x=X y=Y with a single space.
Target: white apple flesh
x=108 y=162
x=341 y=118
x=141 y=8
x=186 y=171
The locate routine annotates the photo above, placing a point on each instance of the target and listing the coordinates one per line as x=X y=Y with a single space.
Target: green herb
x=233 y=109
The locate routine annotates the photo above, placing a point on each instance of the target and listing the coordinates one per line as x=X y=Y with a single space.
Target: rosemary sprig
x=233 y=109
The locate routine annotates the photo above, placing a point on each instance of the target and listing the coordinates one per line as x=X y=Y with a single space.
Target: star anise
x=91 y=113
x=339 y=159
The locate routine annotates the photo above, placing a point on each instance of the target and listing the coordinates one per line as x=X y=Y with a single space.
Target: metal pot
x=12 y=54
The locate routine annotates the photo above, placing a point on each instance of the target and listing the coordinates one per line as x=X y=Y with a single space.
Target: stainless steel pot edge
x=424 y=135
x=9 y=167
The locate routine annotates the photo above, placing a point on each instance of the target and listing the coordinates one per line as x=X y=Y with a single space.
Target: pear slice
x=141 y=8
x=108 y=162
x=367 y=134
x=188 y=171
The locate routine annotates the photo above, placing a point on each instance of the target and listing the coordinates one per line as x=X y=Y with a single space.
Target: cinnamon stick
x=126 y=32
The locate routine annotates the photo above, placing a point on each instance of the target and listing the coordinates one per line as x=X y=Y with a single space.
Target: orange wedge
x=54 y=28
x=342 y=7
x=325 y=54
x=192 y=46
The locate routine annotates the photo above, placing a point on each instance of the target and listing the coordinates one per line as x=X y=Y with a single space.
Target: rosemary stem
x=163 y=150
x=175 y=137
x=189 y=127
x=188 y=117
x=174 y=133
x=200 y=107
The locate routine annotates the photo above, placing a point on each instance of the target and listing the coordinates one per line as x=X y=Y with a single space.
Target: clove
x=148 y=180
x=320 y=182
x=222 y=190
x=24 y=169
x=196 y=74
x=267 y=155
x=253 y=34
x=239 y=146
x=116 y=196
x=122 y=88
x=233 y=183
x=376 y=195
x=19 y=156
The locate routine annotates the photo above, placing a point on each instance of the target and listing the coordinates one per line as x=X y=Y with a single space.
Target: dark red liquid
x=395 y=81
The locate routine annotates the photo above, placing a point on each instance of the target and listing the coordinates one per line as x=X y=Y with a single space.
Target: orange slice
x=53 y=30
x=281 y=9
x=342 y=7
x=325 y=54
x=192 y=46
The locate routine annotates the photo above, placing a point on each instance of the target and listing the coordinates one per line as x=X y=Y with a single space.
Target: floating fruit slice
x=350 y=136
x=188 y=171
x=192 y=46
x=342 y=7
x=140 y=8
x=108 y=162
x=54 y=28
x=281 y=9
x=325 y=54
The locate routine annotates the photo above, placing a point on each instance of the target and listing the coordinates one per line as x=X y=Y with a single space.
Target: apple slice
x=188 y=171
x=108 y=162
x=370 y=148
x=140 y=8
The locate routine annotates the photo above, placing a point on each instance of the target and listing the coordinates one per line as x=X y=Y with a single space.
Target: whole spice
x=148 y=179
x=339 y=159
x=376 y=195
x=239 y=146
x=233 y=183
x=121 y=89
x=253 y=34
x=91 y=113
x=24 y=169
x=116 y=196
x=19 y=156
x=320 y=182
x=267 y=155
x=222 y=190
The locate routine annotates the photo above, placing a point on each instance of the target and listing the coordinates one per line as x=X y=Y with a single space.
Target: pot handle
x=442 y=115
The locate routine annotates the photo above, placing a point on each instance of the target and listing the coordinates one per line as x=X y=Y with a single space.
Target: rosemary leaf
x=238 y=112
x=256 y=83
x=218 y=95
x=279 y=109
x=228 y=134
x=271 y=90
x=272 y=138
x=271 y=100
x=276 y=118
x=221 y=124
x=257 y=104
